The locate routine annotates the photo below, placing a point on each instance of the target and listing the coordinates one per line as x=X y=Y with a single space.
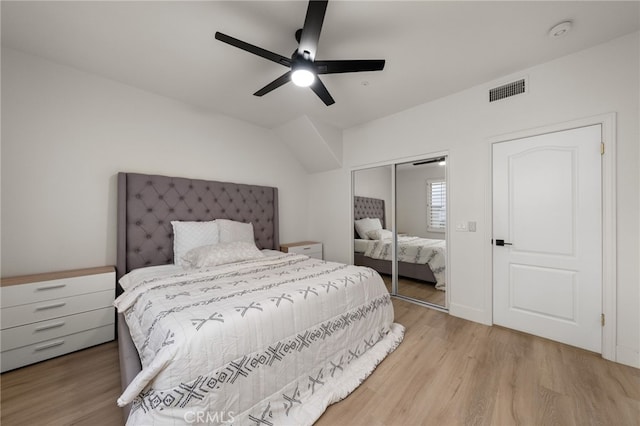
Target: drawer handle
x=49 y=345
x=51 y=287
x=53 y=305
x=306 y=248
x=50 y=326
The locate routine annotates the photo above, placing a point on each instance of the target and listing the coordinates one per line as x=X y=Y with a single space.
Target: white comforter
x=414 y=250
x=268 y=341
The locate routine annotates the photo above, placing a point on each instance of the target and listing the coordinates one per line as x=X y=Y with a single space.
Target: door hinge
x=602 y=319
x=601 y=148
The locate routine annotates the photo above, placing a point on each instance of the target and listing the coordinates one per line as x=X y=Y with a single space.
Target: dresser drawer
x=314 y=254
x=306 y=248
x=14 y=295
x=16 y=337
x=314 y=249
x=48 y=309
x=50 y=348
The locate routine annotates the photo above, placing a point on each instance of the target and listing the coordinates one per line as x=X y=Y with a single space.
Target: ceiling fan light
x=303 y=77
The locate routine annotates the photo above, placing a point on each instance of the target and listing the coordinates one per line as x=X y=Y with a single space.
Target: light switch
x=472 y=227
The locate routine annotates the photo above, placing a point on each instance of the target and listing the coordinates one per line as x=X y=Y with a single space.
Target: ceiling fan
x=304 y=69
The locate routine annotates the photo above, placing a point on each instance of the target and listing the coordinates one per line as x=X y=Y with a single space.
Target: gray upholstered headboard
x=148 y=203
x=368 y=207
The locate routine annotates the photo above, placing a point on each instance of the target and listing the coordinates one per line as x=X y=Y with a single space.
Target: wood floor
x=448 y=371
x=76 y=389
x=418 y=290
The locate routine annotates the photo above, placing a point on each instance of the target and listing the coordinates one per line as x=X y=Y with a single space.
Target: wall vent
x=508 y=90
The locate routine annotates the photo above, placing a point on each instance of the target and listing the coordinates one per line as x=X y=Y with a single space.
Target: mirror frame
x=392 y=222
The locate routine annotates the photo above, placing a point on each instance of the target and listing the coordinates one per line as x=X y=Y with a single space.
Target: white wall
x=596 y=81
x=67 y=133
x=411 y=199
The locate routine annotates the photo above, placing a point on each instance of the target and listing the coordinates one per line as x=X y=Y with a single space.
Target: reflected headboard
x=148 y=203
x=368 y=207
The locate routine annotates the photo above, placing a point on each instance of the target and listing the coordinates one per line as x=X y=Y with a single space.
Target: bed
x=269 y=340
x=419 y=255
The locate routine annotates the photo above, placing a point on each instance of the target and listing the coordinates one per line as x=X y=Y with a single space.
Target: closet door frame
x=392 y=219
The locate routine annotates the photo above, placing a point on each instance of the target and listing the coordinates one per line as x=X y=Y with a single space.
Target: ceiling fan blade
x=312 y=27
x=253 y=49
x=320 y=89
x=335 y=67
x=284 y=78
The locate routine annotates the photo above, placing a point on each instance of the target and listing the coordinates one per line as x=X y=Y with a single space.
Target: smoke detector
x=560 y=30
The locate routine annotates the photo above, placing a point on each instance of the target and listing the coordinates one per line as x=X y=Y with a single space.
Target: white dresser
x=47 y=315
x=309 y=248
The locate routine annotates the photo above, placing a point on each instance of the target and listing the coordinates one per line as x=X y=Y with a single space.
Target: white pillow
x=221 y=254
x=367 y=224
x=189 y=235
x=380 y=234
x=230 y=231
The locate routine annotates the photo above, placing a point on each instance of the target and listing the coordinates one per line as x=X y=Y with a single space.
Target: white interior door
x=547 y=209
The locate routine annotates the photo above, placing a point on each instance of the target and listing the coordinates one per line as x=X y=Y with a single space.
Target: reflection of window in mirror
x=436 y=205
x=421 y=220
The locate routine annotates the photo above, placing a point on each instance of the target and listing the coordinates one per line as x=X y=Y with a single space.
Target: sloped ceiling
x=432 y=48
x=317 y=146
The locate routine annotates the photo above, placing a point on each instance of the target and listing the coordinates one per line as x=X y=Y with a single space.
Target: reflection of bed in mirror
x=430 y=253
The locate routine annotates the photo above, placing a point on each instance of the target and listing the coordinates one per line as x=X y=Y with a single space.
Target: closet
x=400 y=219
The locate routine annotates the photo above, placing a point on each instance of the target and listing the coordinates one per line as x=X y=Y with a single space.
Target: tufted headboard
x=368 y=207
x=148 y=203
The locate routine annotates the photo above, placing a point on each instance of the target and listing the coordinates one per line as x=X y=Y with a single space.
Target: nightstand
x=309 y=248
x=47 y=315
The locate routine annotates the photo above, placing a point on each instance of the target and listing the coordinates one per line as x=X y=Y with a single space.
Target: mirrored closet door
x=421 y=223
x=373 y=243
x=400 y=224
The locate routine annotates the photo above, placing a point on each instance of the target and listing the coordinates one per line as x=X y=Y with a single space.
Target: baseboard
x=470 y=313
x=628 y=356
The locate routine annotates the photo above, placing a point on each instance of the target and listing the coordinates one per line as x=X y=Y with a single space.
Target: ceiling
x=432 y=49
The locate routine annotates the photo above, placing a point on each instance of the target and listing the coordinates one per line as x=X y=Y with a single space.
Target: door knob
x=502 y=243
